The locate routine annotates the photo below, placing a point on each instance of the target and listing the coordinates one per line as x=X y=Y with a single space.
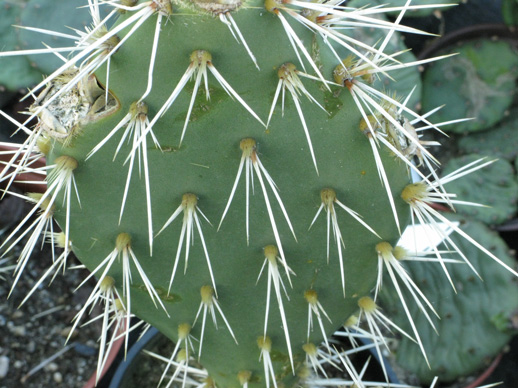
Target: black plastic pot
x=123 y=375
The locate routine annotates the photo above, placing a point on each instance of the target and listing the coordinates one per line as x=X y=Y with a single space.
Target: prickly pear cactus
x=478 y=87
x=478 y=317
x=495 y=186
x=15 y=72
x=500 y=141
x=228 y=174
x=227 y=230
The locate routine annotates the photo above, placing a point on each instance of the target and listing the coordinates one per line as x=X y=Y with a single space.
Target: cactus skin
x=500 y=141
x=472 y=84
x=14 y=72
x=59 y=15
x=403 y=81
x=206 y=165
x=477 y=319
x=495 y=186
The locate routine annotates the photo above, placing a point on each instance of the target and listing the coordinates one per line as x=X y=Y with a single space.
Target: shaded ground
x=34 y=333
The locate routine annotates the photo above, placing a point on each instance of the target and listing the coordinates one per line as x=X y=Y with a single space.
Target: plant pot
x=468 y=33
x=124 y=376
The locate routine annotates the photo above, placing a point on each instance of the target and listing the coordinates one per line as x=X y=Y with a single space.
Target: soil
x=32 y=337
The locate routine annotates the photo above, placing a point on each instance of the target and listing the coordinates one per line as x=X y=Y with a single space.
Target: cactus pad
x=495 y=187
x=15 y=72
x=477 y=319
x=500 y=141
x=472 y=84
x=260 y=258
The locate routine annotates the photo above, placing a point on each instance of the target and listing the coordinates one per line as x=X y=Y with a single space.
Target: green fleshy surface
x=495 y=186
x=15 y=72
x=472 y=84
x=475 y=322
x=56 y=15
x=500 y=141
x=401 y=82
x=206 y=164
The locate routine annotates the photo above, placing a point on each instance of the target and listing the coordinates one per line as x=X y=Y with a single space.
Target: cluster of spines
x=96 y=48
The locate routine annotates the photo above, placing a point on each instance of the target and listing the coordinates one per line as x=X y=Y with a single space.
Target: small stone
x=31 y=347
x=18 y=364
x=52 y=367
x=18 y=331
x=58 y=377
x=4 y=366
x=17 y=314
x=66 y=332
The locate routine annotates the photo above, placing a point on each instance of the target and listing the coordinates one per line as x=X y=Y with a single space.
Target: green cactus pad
x=198 y=176
x=472 y=84
x=500 y=141
x=476 y=322
x=56 y=15
x=495 y=186
x=402 y=81
x=15 y=72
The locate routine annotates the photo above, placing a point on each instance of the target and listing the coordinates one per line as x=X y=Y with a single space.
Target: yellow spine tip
x=123 y=242
x=367 y=304
x=264 y=343
x=207 y=293
x=328 y=196
x=311 y=296
x=200 y=57
x=310 y=348
x=107 y=283
x=383 y=248
x=183 y=330
x=189 y=200
x=66 y=162
x=399 y=253
x=413 y=191
x=271 y=252
x=244 y=376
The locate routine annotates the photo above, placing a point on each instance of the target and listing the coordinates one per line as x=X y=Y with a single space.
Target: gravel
x=33 y=336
